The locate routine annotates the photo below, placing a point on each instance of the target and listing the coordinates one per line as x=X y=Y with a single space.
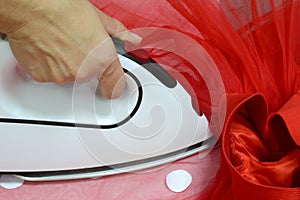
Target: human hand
x=63 y=41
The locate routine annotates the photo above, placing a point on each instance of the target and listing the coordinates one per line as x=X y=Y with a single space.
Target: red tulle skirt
x=254 y=46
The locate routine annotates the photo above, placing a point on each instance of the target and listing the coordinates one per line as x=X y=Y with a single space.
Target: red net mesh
x=256 y=47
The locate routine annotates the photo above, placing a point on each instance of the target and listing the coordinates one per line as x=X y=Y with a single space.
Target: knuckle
x=109 y=72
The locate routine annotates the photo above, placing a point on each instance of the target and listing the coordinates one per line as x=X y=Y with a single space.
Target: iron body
x=58 y=132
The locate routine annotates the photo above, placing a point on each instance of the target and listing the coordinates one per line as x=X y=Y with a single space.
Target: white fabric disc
x=178 y=180
x=10 y=182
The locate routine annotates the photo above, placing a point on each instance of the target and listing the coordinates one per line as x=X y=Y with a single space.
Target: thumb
x=112 y=82
x=117 y=29
x=103 y=63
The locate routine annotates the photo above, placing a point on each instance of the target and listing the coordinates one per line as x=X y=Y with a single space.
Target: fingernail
x=134 y=38
x=130 y=37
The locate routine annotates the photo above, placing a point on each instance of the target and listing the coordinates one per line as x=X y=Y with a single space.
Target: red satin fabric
x=256 y=47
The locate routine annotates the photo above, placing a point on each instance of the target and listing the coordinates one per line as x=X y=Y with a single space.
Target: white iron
x=57 y=132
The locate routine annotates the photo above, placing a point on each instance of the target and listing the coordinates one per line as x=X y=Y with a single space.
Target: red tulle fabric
x=256 y=47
